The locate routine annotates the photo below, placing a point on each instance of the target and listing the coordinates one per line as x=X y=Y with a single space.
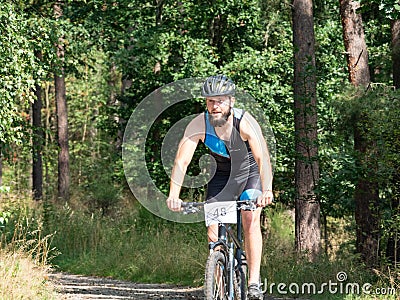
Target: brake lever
x=190 y=210
x=248 y=205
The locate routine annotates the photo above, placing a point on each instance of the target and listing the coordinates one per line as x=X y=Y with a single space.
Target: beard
x=219 y=121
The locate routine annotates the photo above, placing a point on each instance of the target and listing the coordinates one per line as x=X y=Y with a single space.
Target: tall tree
x=366 y=194
x=354 y=43
x=38 y=136
x=307 y=206
x=62 y=112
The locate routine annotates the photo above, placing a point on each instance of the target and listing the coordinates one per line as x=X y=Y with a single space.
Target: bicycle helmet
x=218 y=85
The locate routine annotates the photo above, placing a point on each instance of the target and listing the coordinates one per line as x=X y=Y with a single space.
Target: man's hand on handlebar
x=174 y=204
x=265 y=199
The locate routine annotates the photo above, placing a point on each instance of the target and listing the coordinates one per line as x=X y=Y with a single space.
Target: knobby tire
x=215 y=285
x=240 y=283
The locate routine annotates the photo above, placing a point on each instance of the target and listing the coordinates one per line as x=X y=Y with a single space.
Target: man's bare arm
x=187 y=146
x=251 y=131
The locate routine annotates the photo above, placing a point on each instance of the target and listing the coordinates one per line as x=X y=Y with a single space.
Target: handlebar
x=247 y=204
x=195 y=207
x=191 y=207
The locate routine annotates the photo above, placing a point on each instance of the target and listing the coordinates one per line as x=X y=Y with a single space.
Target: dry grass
x=24 y=251
x=21 y=278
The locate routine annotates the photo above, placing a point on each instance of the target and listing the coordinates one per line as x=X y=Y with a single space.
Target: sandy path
x=85 y=287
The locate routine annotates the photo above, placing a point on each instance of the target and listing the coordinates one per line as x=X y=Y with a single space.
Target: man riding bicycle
x=243 y=165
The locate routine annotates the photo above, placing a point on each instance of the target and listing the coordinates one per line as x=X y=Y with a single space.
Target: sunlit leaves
x=18 y=66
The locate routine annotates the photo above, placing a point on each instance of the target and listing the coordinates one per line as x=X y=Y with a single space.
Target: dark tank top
x=233 y=155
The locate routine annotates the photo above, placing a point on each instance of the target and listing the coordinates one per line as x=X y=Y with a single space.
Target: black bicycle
x=226 y=267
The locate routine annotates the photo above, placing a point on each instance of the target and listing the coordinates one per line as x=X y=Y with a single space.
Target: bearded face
x=218 y=120
x=219 y=110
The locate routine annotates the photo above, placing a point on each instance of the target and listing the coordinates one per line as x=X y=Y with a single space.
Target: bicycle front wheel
x=240 y=282
x=215 y=285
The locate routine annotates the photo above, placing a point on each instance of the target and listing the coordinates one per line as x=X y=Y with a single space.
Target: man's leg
x=212 y=232
x=253 y=243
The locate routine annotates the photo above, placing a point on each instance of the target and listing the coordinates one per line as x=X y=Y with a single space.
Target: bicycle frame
x=231 y=244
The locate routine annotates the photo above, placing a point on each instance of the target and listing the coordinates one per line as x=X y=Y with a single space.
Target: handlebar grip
x=192 y=204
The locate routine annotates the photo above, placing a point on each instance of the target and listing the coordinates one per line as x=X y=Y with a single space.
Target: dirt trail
x=85 y=287
x=77 y=287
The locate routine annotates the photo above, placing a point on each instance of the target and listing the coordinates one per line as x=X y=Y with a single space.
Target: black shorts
x=223 y=188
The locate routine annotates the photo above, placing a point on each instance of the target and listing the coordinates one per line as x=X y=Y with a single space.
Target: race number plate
x=220 y=212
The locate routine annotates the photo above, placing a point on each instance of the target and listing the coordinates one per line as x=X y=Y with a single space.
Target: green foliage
x=104 y=192
x=21 y=36
x=375 y=113
x=4 y=217
x=389 y=9
x=379 y=109
x=17 y=63
x=248 y=40
x=179 y=49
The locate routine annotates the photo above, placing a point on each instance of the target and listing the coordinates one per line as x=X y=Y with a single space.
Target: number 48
x=219 y=212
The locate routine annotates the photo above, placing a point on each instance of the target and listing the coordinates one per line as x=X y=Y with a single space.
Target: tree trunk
x=366 y=197
x=307 y=206
x=217 y=25
x=126 y=83
x=354 y=43
x=366 y=194
x=159 y=9
x=37 y=141
x=62 y=114
x=48 y=139
x=396 y=53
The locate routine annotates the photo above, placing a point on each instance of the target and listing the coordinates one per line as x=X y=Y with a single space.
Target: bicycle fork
x=231 y=269
x=230 y=262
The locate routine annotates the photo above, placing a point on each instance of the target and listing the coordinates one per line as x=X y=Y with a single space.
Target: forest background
x=72 y=72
